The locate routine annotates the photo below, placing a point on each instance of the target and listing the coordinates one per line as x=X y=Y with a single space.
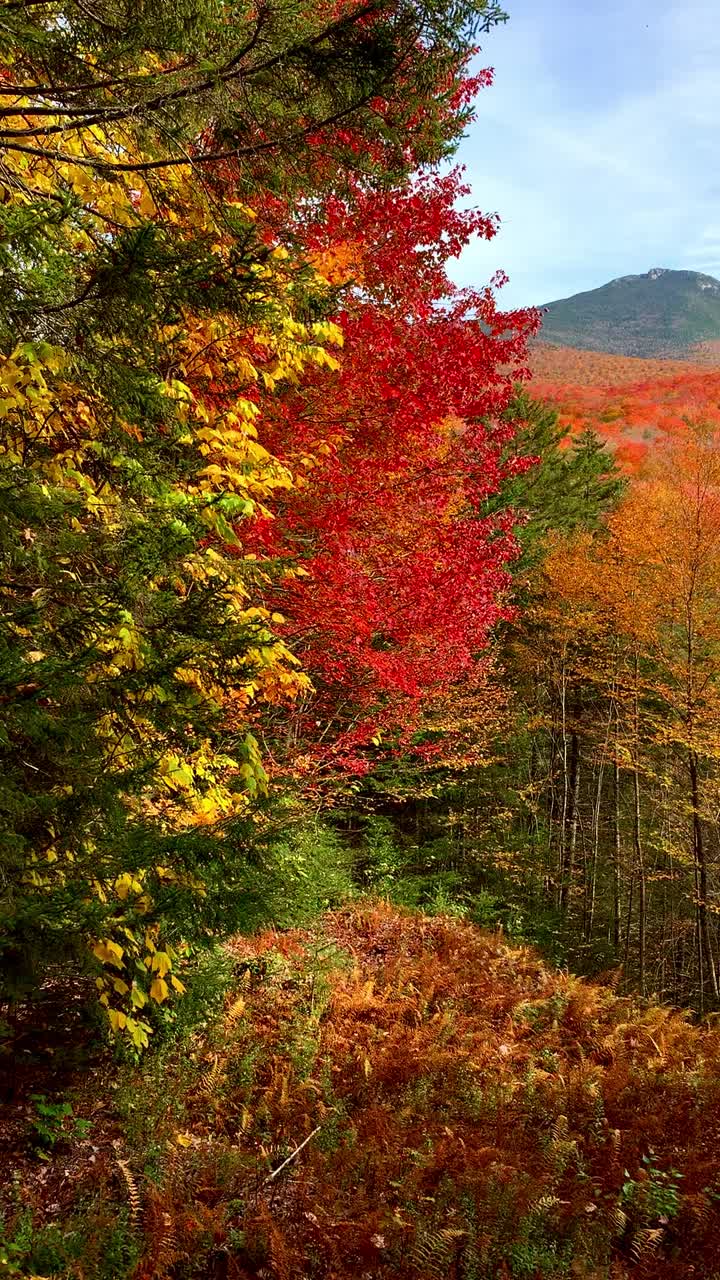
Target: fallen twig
x=293 y=1154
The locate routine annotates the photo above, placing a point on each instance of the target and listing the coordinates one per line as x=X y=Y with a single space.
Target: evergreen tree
x=556 y=485
x=148 y=308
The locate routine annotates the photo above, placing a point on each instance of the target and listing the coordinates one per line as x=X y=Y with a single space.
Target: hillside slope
x=631 y=403
x=659 y=314
x=577 y=367
x=392 y=1096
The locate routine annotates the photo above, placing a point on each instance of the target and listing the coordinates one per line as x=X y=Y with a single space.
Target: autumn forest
x=359 y=684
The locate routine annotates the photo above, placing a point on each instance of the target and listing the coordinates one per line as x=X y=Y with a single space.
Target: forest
x=359 y=685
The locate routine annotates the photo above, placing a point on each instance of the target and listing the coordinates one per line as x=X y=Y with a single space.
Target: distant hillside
x=629 y=401
x=660 y=314
x=572 y=365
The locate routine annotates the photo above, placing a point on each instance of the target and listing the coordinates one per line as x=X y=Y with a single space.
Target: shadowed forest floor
x=473 y=1114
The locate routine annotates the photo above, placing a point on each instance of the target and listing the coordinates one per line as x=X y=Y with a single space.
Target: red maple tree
x=405 y=580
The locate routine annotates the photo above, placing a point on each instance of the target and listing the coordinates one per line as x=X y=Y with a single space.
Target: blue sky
x=598 y=144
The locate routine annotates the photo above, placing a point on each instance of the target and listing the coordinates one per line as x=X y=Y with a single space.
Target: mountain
x=659 y=314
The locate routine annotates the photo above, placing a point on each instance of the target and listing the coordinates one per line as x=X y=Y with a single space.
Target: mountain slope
x=661 y=313
x=632 y=404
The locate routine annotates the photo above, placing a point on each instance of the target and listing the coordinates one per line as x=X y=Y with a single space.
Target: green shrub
x=310 y=871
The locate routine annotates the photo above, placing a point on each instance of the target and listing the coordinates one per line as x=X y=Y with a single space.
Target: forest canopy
x=359 y=661
x=230 y=349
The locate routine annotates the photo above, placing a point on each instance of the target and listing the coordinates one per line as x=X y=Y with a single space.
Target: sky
x=598 y=144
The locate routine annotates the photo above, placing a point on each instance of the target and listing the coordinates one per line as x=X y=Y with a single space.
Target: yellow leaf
x=137 y=997
x=109 y=952
x=138 y=1032
x=161 y=963
x=244 y=208
x=159 y=990
x=126 y=884
x=146 y=204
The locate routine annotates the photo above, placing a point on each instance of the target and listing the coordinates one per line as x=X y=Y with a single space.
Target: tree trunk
x=616 y=858
x=701 y=877
x=640 y=865
x=571 y=824
x=562 y=853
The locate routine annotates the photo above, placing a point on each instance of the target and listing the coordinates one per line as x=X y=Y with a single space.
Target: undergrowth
x=391 y=1096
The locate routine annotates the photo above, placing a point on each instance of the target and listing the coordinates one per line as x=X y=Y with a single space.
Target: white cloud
x=593 y=182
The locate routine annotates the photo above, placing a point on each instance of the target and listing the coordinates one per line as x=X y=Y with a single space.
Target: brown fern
x=210 y=1079
x=646 y=1243
x=168 y=1252
x=133 y=1191
x=434 y=1251
x=233 y=1015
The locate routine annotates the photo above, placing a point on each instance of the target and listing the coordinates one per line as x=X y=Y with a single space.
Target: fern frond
x=619 y=1220
x=545 y=1204
x=433 y=1252
x=560 y=1129
x=174 y=1165
x=233 y=1015
x=701 y=1208
x=168 y=1252
x=210 y=1079
x=133 y=1191
x=646 y=1242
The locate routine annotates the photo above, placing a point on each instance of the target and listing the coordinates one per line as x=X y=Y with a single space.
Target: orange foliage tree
x=622 y=647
